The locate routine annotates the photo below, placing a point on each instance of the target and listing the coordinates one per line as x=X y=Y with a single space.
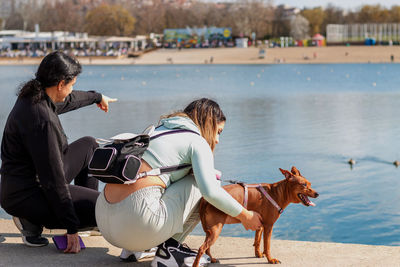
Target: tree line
x=139 y=17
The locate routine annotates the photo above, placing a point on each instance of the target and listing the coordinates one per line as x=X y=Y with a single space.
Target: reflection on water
x=315 y=117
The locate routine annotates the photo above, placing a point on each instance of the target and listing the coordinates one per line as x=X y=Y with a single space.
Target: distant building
x=24 y=41
x=348 y=33
x=241 y=42
x=197 y=37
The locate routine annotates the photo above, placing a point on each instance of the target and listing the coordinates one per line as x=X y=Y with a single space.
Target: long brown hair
x=206 y=114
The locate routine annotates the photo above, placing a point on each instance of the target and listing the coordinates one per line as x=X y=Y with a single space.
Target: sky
x=345 y=4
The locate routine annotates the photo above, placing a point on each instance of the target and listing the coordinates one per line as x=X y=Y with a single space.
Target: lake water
x=314 y=117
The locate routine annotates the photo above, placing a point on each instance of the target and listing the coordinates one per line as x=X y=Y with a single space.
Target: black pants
x=36 y=208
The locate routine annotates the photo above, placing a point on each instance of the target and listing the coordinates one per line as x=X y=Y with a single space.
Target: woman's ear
x=60 y=85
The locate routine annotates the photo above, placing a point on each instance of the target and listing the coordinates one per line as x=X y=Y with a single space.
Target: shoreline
x=289 y=55
x=231 y=251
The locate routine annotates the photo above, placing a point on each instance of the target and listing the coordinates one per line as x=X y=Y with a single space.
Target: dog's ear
x=295 y=171
x=286 y=173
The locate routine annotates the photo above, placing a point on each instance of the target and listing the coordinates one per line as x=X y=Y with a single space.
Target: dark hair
x=54 y=68
x=206 y=114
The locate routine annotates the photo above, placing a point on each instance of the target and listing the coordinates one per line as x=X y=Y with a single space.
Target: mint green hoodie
x=191 y=148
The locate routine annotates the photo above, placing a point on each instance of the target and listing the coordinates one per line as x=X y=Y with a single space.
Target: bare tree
x=54 y=16
x=373 y=13
x=351 y=17
x=15 y=22
x=299 y=28
x=150 y=18
x=281 y=23
x=333 y=15
x=243 y=16
x=253 y=16
x=109 y=20
x=395 y=14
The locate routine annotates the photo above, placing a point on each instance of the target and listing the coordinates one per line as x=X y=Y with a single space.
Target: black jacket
x=32 y=151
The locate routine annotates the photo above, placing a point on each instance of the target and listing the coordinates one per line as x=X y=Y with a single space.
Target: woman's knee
x=89 y=142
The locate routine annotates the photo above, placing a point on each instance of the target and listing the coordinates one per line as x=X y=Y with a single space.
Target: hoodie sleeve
x=204 y=173
x=78 y=99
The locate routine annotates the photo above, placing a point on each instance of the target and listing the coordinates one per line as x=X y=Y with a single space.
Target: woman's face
x=220 y=128
x=65 y=89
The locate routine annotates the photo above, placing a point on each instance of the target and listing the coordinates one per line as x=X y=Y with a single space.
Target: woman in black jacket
x=37 y=162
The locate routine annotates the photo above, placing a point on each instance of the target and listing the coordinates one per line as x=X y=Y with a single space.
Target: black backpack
x=119 y=162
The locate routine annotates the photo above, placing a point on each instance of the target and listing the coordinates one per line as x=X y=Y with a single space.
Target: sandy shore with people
x=330 y=54
x=231 y=251
x=302 y=55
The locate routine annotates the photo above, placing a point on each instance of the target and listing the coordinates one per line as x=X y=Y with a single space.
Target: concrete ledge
x=231 y=251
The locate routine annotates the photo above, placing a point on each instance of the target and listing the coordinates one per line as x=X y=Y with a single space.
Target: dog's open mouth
x=305 y=200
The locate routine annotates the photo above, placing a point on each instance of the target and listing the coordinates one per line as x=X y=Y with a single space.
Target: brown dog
x=294 y=189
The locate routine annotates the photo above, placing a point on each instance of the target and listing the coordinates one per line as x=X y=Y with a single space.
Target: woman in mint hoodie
x=162 y=210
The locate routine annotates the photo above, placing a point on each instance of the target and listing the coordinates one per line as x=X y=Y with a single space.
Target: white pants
x=150 y=216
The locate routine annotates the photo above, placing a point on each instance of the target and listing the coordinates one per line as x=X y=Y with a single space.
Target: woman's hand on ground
x=251 y=220
x=105 y=100
x=73 y=245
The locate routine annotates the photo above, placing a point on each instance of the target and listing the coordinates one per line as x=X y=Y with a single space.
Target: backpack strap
x=167 y=169
x=173 y=132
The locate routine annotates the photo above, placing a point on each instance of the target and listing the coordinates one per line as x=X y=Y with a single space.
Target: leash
x=260 y=188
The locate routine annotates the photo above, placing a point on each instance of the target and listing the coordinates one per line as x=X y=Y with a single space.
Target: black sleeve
x=78 y=99
x=44 y=146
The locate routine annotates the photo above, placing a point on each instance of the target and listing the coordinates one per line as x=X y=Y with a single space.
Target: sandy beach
x=230 y=251
x=289 y=55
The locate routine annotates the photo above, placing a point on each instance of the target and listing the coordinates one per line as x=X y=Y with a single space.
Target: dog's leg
x=213 y=260
x=257 y=242
x=211 y=236
x=201 y=250
x=214 y=234
x=267 y=243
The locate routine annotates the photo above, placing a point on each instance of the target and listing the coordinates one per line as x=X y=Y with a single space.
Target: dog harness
x=261 y=189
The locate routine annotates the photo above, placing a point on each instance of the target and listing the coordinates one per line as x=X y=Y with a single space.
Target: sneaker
x=35 y=241
x=31 y=233
x=173 y=254
x=133 y=256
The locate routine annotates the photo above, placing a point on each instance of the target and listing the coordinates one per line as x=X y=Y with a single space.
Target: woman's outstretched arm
x=203 y=168
x=78 y=99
